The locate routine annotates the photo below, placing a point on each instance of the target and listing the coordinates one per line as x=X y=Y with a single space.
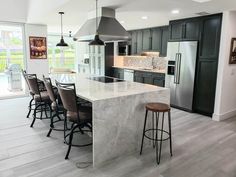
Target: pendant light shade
x=97 y=40
x=62 y=42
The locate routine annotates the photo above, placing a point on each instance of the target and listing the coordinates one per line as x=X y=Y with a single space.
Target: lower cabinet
x=118 y=73
x=157 y=79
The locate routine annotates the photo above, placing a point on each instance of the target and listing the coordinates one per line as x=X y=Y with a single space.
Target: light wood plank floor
x=201 y=147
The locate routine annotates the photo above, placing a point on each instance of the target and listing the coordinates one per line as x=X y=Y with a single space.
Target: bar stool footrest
x=159 y=130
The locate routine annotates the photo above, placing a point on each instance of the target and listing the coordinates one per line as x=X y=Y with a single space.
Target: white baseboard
x=227 y=115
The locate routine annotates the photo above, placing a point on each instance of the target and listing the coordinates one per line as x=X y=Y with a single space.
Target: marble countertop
x=141 y=69
x=93 y=90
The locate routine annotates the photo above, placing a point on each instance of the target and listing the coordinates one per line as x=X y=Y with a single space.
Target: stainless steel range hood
x=109 y=28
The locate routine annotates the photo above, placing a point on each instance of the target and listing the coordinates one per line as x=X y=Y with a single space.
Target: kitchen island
x=118 y=112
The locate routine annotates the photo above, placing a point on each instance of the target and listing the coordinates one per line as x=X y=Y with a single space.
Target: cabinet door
x=164 y=41
x=159 y=82
x=159 y=79
x=147 y=78
x=121 y=74
x=115 y=73
x=146 y=40
x=210 y=37
x=133 y=42
x=139 y=41
x=138 y=76
x=176 y=30
x=191 y=29
x=138 y=79
x=156 y=39
x=205 y=87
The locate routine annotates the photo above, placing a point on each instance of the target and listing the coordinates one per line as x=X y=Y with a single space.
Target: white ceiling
x=129 y=11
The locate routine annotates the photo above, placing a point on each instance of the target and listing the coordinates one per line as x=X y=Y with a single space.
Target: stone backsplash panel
x=146 y=62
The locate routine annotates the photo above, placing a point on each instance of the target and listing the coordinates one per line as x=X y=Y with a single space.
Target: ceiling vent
x=203 y=13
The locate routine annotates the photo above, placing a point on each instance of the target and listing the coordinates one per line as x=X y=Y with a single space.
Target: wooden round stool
x=157 y=108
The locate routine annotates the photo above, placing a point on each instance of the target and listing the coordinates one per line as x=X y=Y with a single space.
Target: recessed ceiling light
x=144 y=17
x=122 y=21
x=175 y=11
x=201 y=1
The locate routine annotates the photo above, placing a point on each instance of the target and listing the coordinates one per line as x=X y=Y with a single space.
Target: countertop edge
x=136 y=69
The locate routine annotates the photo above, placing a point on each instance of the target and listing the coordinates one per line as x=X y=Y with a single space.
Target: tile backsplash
x=154 y=62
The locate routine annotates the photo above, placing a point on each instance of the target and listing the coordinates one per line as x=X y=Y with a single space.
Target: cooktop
x=105 y=79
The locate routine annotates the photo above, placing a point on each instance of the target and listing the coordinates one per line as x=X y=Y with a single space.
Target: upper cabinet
x=153 y=39
x=133 y=42
x=176 y=30
x=164 y=41
x=184 y=29
x=210 y=37
x=156 y=39
x=147 y=40
x=191 y=29
x=139 y=41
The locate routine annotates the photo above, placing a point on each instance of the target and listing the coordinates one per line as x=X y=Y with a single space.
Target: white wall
x=225 y=102
x=35 y=66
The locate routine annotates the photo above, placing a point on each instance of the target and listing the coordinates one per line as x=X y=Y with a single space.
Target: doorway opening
x=12 y=60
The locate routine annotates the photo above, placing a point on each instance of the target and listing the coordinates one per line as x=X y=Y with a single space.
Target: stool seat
x=158 y=107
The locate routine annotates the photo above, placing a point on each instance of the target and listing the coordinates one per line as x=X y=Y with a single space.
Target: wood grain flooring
x=201 y=147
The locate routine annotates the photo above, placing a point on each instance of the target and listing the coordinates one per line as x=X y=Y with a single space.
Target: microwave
x=124 y=48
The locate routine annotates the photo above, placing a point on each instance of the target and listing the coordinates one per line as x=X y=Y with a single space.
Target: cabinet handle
x=176 y=68
x=179 y=67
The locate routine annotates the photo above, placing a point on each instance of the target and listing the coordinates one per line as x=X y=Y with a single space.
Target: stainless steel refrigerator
x=181 y=73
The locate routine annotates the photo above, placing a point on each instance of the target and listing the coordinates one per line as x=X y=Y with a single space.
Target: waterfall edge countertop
x=118 y=110
x=93 y=90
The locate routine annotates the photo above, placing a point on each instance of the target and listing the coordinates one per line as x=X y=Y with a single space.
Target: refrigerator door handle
x=176 y=68
x=179 y=67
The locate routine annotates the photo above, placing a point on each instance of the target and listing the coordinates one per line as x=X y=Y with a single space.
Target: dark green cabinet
x=159 y=82
x=210 y=37
x=139 y=41
x=153 y=39
x=157 y=79
x=207 y=64
x=156 y=39
x=205 y=87
x=191 y=29
x=146 y=40
x=133 y=42
x=147 y=78
x=187 y=29
x=176 y=30
x=118 y=73
x=164 y=41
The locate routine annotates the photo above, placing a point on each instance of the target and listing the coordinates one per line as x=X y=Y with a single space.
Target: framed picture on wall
x=232 y=59
x=38 y=47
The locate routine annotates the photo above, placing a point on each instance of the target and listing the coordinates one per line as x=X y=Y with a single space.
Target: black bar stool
x=157 y=108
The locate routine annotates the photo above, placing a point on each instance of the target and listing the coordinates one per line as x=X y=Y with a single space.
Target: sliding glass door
x=12 y=60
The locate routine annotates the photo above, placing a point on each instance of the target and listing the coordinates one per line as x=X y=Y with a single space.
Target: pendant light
x=62 y=42
x=97 y=40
